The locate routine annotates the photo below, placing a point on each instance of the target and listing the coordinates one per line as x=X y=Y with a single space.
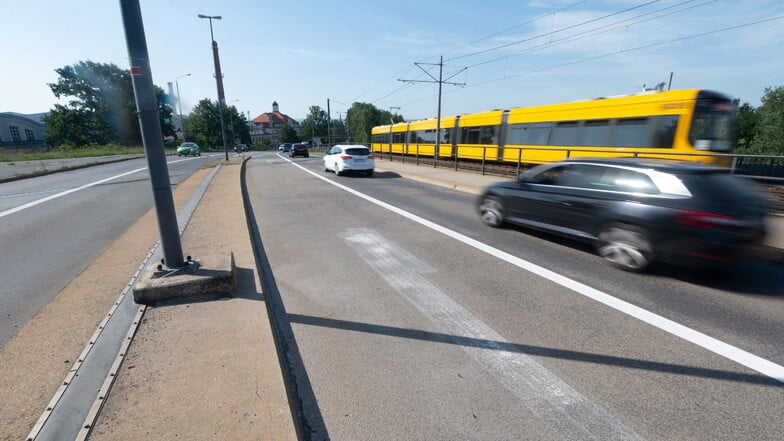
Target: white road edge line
x=73 y=190
x=751 y=361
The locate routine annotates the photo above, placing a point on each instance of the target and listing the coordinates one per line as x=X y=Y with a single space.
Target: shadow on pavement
x=630 y=363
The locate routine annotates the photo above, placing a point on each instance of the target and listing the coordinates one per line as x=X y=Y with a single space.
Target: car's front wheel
x=491 y=211
x=626 y=247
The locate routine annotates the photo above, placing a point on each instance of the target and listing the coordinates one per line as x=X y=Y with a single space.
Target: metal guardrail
x=761 y=167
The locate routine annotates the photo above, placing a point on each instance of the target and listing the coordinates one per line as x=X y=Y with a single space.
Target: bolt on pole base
x=159 y=283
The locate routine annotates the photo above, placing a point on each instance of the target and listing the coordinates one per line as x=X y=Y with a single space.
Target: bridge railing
x=762 y=167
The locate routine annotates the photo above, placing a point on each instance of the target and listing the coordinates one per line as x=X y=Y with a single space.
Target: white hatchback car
x=344 y=158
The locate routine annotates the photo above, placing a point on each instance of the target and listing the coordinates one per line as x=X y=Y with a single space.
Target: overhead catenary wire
x=599 y=30
x=406 y=70
x=597 y=57
x=534 y=37
x=566 y=28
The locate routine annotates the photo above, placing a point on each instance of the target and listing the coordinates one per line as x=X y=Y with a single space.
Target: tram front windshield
x=713 y=125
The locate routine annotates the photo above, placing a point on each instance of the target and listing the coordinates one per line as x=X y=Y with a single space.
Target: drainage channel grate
x=74 y=408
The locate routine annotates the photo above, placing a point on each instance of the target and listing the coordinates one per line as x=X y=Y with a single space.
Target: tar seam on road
x=751 y=361
x=72 y=412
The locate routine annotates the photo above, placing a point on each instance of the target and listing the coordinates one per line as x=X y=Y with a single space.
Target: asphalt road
x=442 y=328
x=54 y=226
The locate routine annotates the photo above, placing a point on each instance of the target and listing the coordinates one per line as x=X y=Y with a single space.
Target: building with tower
x=267 y=125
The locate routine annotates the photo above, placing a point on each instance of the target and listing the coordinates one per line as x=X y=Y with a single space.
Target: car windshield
x=188 y=144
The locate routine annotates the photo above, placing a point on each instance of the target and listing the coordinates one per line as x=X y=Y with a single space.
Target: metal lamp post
x=218 y=80
x=179 y=104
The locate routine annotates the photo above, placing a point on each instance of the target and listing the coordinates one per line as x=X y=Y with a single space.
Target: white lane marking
x=751 y=361
x=73 y=190
x=569 y=414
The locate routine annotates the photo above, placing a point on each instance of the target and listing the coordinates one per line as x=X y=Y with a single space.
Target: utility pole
x=152 y=135
x=348 y=130
x=391 y=119
x=440 y=82
x=329 y=126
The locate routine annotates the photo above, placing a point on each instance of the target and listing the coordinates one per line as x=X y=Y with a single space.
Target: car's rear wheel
x=369 y=173
x=337 y=170
x=625 y=247
x=491 y=211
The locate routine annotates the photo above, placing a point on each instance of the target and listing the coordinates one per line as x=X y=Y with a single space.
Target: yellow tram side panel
x=474 y=151
x=377 y=146
x=428 y=149
x=399 y=148
x=677 y=102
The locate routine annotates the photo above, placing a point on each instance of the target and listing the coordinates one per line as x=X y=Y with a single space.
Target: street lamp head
x=216 y=17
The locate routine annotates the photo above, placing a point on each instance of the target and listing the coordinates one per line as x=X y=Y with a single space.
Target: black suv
x=635 y=210
x=299 y=150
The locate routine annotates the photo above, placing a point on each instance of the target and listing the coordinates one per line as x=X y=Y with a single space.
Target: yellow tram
x=693 y=124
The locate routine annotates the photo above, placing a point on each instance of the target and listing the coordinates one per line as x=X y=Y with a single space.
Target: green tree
x=236 y=126
x=203 y=125
x=287 y=134
x=101 y=109
x=769 y=139
x=746 y=125
x=337 y=131
x=362 y=117
x=315 y=124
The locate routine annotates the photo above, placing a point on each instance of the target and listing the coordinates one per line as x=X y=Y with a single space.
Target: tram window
x=663 y=131
x=517 y=134
x=487 y=135
x=631 y=132
x=479 y=135
x=565 y=133
x=446 y=136
x=423 y=137
x=595 y=133
x=470 y=135
x=398 y=137
x=539 y=134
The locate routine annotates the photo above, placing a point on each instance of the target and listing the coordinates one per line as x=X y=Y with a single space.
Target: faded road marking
x=569 y=414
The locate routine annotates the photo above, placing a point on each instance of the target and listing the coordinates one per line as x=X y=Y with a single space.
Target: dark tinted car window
x=358 y=151
x=619 y=179
x=549 y=176
x=566 y=176
x=731 y=189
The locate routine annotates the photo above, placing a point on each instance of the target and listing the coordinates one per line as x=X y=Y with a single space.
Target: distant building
x=267 y=125
x=21 y=132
